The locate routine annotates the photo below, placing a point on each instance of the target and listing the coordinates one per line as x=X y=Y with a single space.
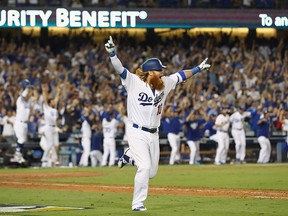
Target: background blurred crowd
x=250 y=72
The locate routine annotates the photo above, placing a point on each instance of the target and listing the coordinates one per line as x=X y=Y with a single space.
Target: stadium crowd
x=250 y=72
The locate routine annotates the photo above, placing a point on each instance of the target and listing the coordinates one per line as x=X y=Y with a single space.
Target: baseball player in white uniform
x=23 y=108
x=147 y=91
x=86 y=133
x=222 y=125
x=263 y=133
x=109 y=125
x=51 y=131
x=238 y=133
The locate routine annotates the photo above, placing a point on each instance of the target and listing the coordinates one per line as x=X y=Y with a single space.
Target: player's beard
x=156 y=83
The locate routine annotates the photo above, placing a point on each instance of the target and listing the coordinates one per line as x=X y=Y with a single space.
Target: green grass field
x=265 y=178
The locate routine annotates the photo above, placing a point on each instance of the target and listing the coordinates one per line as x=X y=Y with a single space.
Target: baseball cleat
x=140 y=208
x=122 y=162
x=18 y=158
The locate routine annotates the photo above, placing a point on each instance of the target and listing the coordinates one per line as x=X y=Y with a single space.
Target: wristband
x=112 y=54
x=196 y=70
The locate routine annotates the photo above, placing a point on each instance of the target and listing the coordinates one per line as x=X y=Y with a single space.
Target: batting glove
x=110 y=47
x=204 y=66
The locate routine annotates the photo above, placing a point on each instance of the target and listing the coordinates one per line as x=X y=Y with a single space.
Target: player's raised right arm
x=111 y=49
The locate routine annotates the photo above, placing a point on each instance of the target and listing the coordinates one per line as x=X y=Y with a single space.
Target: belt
x=237 y=129
x=24 y=122
x=223 y=131
x=52 y=125
x=150 y=130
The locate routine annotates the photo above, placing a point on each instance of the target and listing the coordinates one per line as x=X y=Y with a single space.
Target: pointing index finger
x=110 y=39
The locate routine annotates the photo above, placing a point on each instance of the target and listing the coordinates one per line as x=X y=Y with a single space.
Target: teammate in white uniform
x=8 y=130
x=147 y=91
x=222 y=125
x=109 y=125
x=238 y=134
x=86 y=134
x=263 y=133
x=51 y=131
x=23 y=108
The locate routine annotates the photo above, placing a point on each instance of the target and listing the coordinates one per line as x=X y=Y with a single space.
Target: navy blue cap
x=241 y=107
x=152 y=64
x=25 y=84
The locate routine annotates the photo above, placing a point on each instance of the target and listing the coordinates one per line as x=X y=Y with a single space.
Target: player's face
x=52 y=103
x=155 y=79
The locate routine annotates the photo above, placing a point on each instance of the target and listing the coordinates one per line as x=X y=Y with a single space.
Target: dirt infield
x=37 y=181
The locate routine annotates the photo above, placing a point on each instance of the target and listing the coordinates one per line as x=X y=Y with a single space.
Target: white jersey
x=23 y=109
x=221 y=119
x=109 y=128
x=285 y=125
x=50 y=115
x=86 y=130
x=236 y=120
x=144 y=106
x=8 y=122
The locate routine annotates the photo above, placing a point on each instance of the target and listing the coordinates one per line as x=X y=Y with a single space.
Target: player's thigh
x=20 y=130
x=172 y=139
x=139 y=143
x=56 y=139
x=154 y=155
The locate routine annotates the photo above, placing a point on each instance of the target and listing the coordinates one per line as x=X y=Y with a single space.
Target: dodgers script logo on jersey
x=147 y=101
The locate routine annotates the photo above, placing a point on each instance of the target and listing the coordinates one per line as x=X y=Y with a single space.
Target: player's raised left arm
x=191 y=72
x=188 y=73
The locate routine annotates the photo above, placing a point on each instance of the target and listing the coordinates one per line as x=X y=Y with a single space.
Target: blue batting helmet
x=25 y=84
x=152 y=64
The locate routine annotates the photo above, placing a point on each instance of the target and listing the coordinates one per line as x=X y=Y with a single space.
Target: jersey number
x=159 y=109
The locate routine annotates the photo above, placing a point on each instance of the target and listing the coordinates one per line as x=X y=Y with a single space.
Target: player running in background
x=147 y=91
x=51 y=131
x=24 y=105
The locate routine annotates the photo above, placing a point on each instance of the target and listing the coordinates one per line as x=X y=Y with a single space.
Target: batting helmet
x=152 y=64
x=25 y=84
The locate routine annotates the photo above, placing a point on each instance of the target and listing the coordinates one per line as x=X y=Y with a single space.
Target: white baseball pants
x=52 y=140
x=194 y=151
x=96 y=157
x=222 y=148
x=265 y=151
x=86 y=144
x=109 y=149
x=21 y=130
x=174 y=141
x=240 y=143
x=145 y=150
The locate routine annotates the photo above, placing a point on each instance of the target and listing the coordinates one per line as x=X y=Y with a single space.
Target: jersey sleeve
x=178 y=77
